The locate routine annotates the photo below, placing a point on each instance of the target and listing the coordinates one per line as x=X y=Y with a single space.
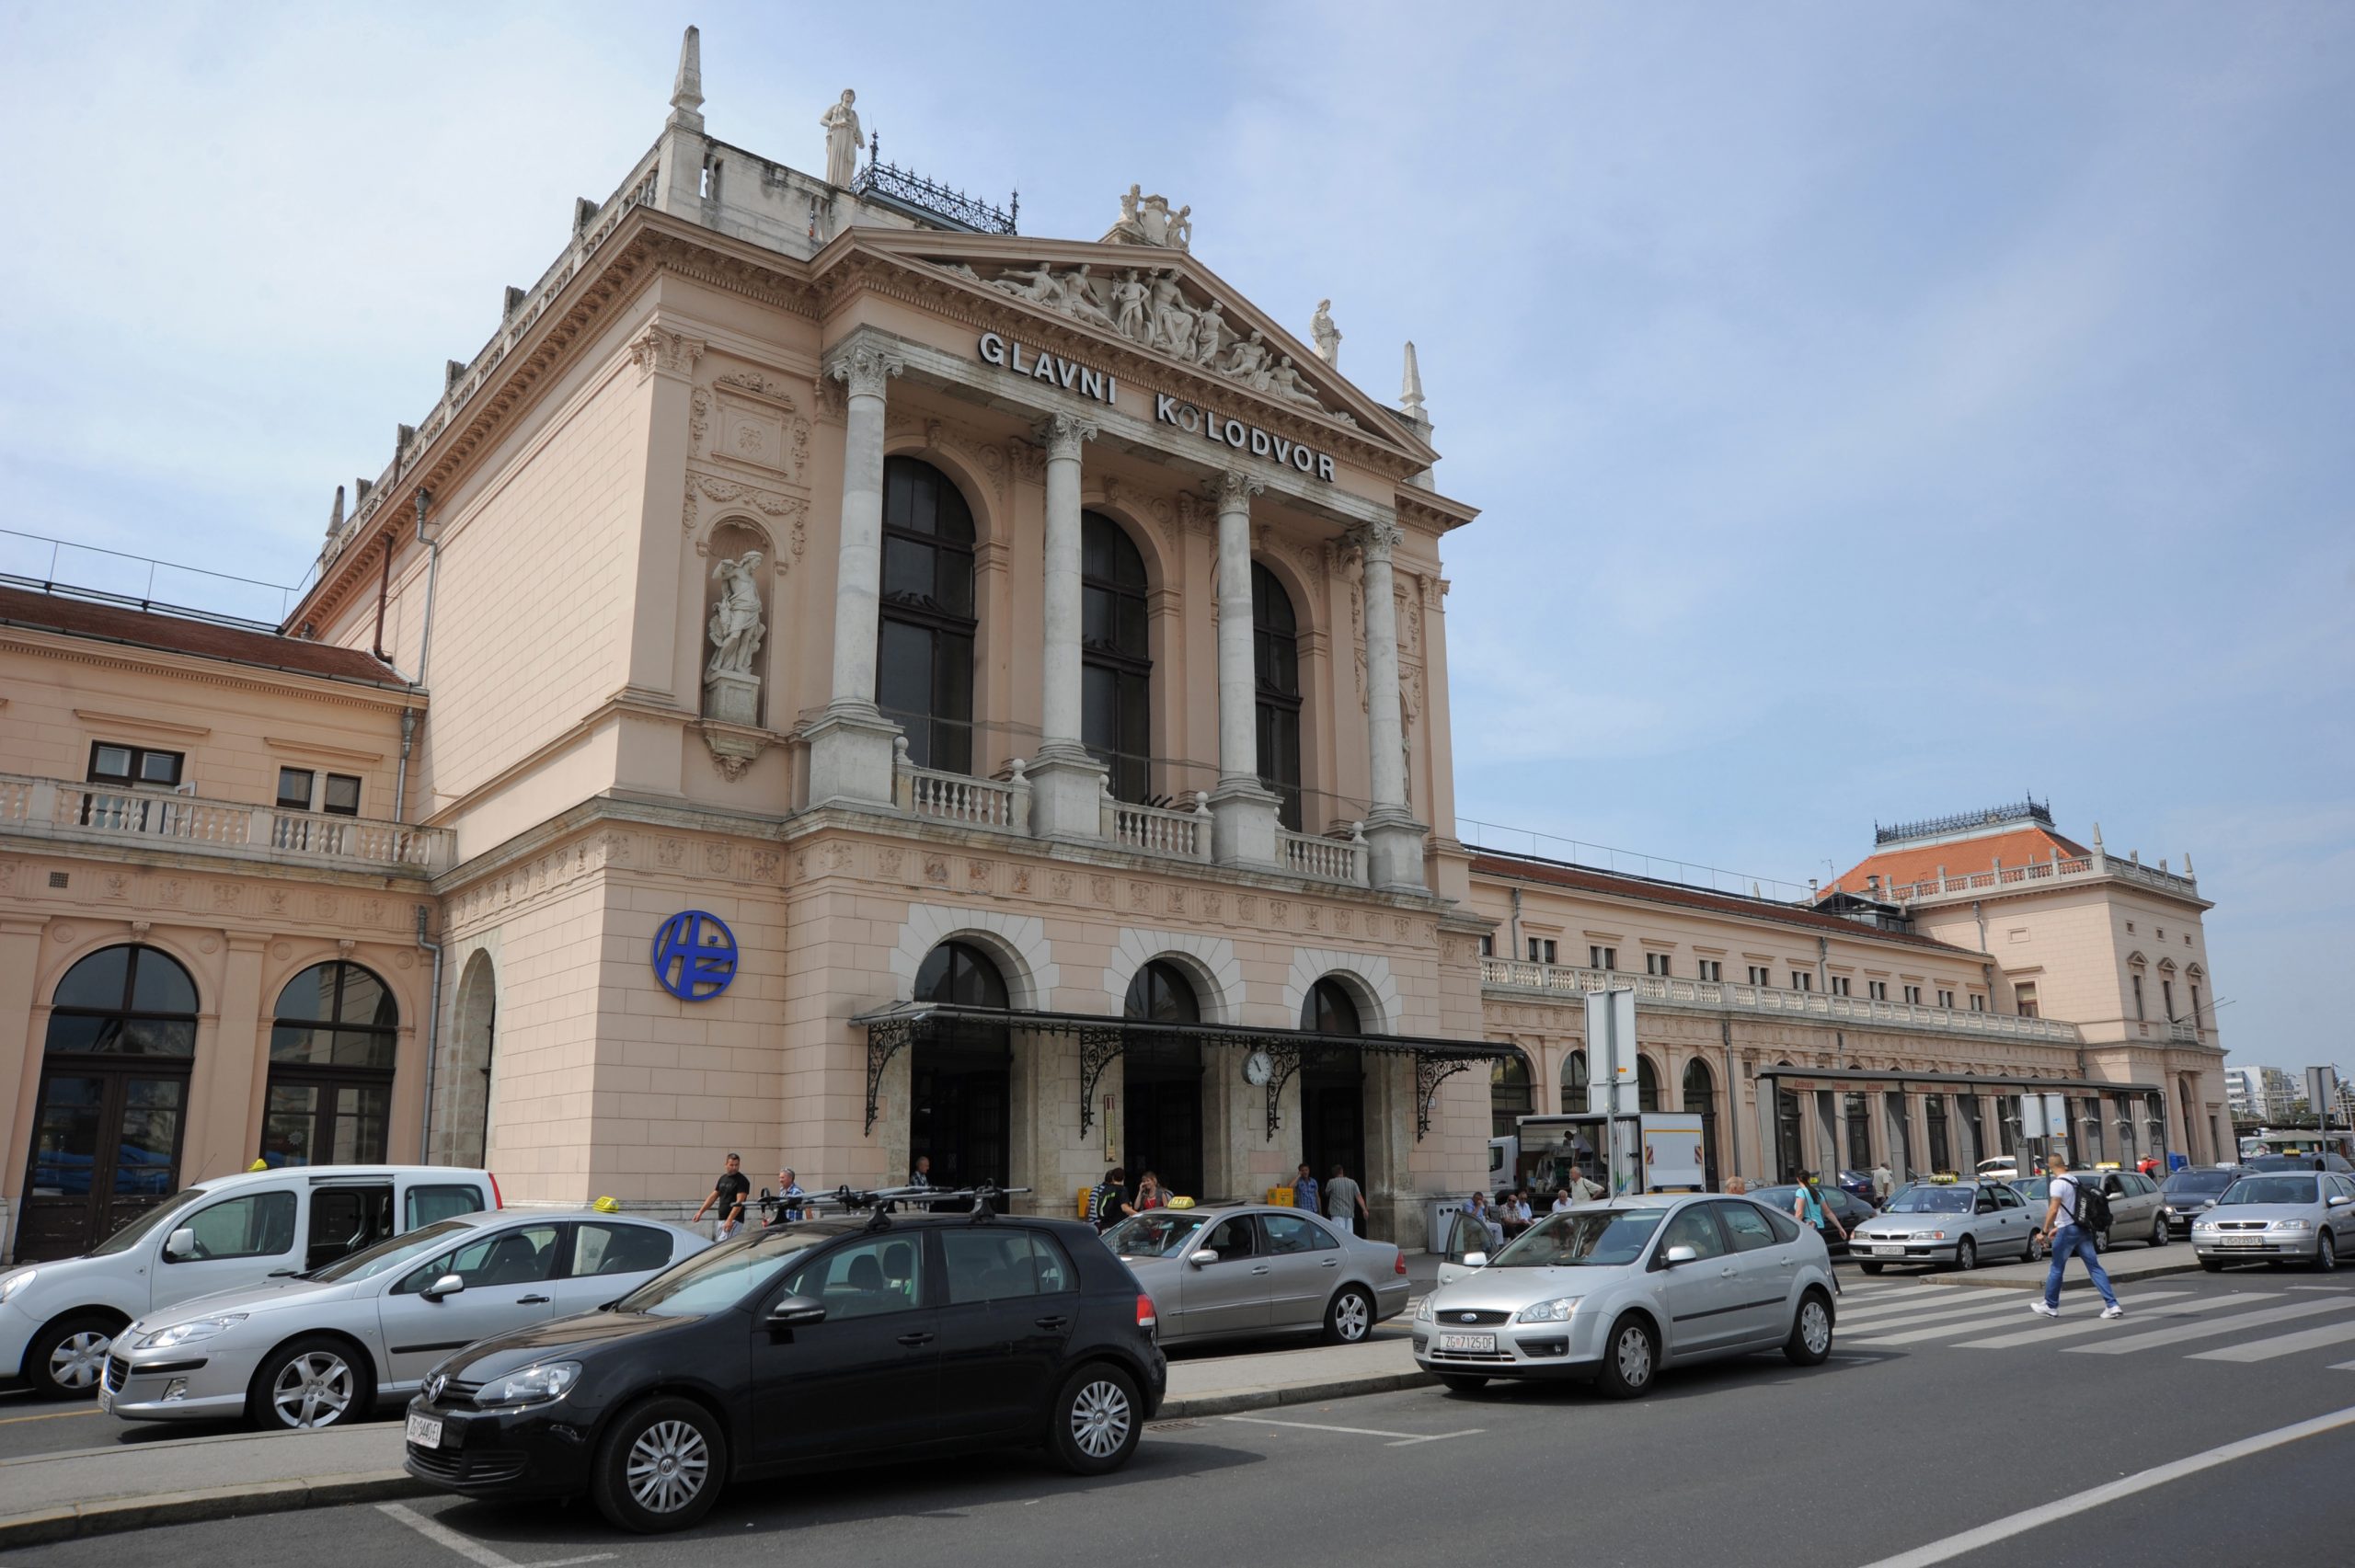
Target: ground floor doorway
x=1160 y=1117
x=960 y=1107
x=1332 y=1112
x=105 y=1148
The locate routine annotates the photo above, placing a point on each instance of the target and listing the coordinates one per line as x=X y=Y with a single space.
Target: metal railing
x=1324 y=860
x=904 y=187
x=55 y=808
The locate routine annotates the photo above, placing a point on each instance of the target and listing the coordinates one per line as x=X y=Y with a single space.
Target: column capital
x=1375 y=541
x=1234 y=491
x=1063 y=434
x=658 y=350
x=864 y=367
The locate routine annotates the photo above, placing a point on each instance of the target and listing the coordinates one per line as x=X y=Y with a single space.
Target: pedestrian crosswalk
x=2210 y=1320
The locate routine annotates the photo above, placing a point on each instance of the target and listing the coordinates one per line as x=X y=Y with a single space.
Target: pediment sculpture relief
x=1151 y=308
x=1147 y=220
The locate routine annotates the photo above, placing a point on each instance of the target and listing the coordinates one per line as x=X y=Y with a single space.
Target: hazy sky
x=1876 y=411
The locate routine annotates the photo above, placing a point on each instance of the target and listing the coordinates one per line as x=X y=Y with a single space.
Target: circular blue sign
x=695 y=955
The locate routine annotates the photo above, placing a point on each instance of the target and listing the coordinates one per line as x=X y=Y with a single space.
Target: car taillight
x=495 y=1201
x=1402 y=1264
x=1146 y=1319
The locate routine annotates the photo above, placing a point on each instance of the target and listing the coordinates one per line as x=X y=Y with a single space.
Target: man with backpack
x=1810 y=1210
x=2088 y=1213
x=1109 y=1204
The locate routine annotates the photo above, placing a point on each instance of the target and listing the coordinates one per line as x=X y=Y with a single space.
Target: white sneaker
x=2113 y=1310
x=2041 y=1310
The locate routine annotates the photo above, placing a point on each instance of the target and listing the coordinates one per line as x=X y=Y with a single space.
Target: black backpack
x=1105 y=1203
x=2093 y=1206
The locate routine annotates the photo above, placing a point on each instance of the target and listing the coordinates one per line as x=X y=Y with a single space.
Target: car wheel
x=1966 y=1254
x=1630 y=1357
x=309 y=1383
x=1811 y=1339
x=1871 y=1268
x=2160 y=1235
x=1462 y=1382
x=1096 y=1422
x=1349 y=1318
x=2325 y=1255
x=2212 y=1265
x=660 y=1466
x=67 y=1359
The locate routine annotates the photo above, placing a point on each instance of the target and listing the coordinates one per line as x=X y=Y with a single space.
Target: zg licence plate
x=105 y=1398
x=1899 y=1248
x=2240 y=1240
x=424 y=1431
x=1482 y=1343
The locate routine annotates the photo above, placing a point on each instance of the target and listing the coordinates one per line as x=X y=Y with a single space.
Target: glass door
x=105 y=1148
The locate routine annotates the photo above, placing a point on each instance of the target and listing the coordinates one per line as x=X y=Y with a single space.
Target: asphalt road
x=1941 y=1414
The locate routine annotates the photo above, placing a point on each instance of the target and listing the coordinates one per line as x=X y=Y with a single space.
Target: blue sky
x=1877 y=411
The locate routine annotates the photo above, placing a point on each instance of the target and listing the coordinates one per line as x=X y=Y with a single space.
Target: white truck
x=1659 y=1151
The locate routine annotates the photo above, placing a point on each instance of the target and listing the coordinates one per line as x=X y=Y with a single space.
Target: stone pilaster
x=1067 y=784
x=1394 y=837
x=850 y=741
x=1243 y=811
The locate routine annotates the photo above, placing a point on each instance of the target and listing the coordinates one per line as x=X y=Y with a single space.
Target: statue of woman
x=1173 y=324
x=736 y=629
x=1328 y=335
x=841 y=124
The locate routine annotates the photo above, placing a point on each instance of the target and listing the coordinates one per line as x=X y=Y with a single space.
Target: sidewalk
x=134 y=1487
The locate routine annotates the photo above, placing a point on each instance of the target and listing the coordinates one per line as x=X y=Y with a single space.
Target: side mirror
x=448 y=1285
x=1202 y=1257
x=2338 y=1200
x=1675 y=1255
x=180 y=1245
x=796 y=1311
x=1475 y=1260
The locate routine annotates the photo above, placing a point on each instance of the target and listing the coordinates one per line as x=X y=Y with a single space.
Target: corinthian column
x=1394 y=836
x=1066 y=783
x=850 y=741
x=1243 y=811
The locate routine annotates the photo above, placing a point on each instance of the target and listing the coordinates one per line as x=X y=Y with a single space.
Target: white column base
x=850 y=756
x=1067 y=793
x=1243 y=824
x=1395 y=850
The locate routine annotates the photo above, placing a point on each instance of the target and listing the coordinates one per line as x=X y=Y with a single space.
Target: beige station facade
x=1033 y=656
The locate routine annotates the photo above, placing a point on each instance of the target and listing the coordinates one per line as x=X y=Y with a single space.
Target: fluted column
x=1394 y=836
x=1243 y=811
x=1067 y=784
x=850 y=741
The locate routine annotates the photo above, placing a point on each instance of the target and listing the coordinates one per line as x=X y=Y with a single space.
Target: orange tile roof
x=174 y=634
x=1903 y=863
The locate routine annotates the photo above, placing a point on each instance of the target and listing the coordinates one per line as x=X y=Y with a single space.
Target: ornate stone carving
x=865 y=369
x=840 y=123
x=1062 y=435
x=1235 y=489
x=737 y=625
x=1059 y=886
x=791 y=510
x=672 y=852
x=660 y=349
x=887 y=863
x=1147 y=220
x=1327 y=335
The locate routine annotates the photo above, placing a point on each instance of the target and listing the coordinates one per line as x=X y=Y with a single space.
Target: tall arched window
x=1162 y=992
x=1275 y=650
x=1162 y=1077
x=331 y=1047
x=1646 y=1085
x=961 y=1077
x=1574 y=1083
x=1701 y=1100
x=924 y=655
x=1509 y=1098
x=1116 y=664
x=112 y=1099
x=1329 y=1008
x=960 y=973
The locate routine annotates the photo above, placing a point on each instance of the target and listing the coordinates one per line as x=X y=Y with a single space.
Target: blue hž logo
x=695 y=955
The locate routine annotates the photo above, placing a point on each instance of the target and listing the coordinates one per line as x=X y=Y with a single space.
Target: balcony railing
x=54 y=808
x=2058 y=868
x=961 y=798
x=1324 y=860
x=1562 y=979
x=1154 y=830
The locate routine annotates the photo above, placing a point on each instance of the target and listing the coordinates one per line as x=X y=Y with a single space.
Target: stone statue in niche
x=841 y=124
x=732 y=691
x=1328 y=335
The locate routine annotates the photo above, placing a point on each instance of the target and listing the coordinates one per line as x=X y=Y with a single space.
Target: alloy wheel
x=1100 y=1418
x=314 y=1388
x=668 y=1467
x=1352 y=1319
x=80 y=1360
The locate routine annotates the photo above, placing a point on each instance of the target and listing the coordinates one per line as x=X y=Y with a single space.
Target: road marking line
x=1973 y=1326
x=1877 y=1316
x=2337 y=1289
x=2203 y=1331
x=1399 y=1439
x=53 y=1415
x=2343 y=1366
x=1956 y=1546
x=2049 y=1331
x=468 y=1548
x=2280 y=1344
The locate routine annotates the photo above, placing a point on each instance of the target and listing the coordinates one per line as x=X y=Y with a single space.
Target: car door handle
x=1332 y=1263
x=1051 y=1322
x=1260 y=1268
x=1726 y=1273
x=531 y=1300
x=912 y=1340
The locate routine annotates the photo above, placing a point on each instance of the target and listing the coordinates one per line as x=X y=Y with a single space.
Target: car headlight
x=1423 y=1310
x=2207 y=1227
x=1558 y=1310
x=533 y=1385
x=2293 y=1225
x=190 y=1332
x=17 y=1282
x=1934 y=1235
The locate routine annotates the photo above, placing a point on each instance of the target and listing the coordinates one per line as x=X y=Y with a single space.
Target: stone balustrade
x=2058 y=868
x=1152 y=830
x=961 y=798
x=1564 y=981
x=1324 y=860
x=60 y=810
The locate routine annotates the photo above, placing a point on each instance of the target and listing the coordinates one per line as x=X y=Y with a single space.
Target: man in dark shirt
x=729 y=1192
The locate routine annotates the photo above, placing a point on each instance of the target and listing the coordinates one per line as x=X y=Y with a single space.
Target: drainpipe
x=1823 y=957
x=1514 y=950
x=432 y=1041
x=1733 y=1098
x=400 y=778
x=384 y=591
x=433 y=575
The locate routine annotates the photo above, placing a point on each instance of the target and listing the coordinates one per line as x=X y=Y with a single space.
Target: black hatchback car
x=820 y=1342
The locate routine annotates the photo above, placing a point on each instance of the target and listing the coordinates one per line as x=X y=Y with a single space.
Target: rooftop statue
x=841 y=123
x=1328 y=335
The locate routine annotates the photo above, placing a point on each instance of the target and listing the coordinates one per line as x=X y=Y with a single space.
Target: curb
x=1291 y=1394
x=117 y=1515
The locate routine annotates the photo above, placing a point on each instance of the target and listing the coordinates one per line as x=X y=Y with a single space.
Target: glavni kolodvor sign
x=1038 y=364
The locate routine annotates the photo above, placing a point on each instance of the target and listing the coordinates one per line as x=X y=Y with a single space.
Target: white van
x=58 y=1318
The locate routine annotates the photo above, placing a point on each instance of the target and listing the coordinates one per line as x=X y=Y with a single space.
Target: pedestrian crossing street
x=2232 y=1320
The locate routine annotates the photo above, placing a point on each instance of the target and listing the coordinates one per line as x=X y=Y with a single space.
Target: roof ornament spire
x=1410 y=389
x=686 y=90
x=335 y=517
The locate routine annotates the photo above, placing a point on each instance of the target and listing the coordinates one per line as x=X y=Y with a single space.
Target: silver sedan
x=1952 y=1223
x=1246 y=1269
x=321 y=1348
x=2278 y=1215
x=1614 y=1291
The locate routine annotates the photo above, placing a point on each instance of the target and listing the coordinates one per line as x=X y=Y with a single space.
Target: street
x=1943 y=1412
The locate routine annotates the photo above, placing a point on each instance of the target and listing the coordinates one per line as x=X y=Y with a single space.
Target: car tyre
x=1810 y=1341
x=1965 y=1256
x=2160 y=1235
x=67 y=1359
x=1462 y=1382
x=2325 y=1254
x=1348 y=1317
x=2212 y=1266
x=309 y=1383
x=1095 y=1421
x=1630 y=1360
x=2035 y=1250
x=1871 y=1268
x=660 y=1466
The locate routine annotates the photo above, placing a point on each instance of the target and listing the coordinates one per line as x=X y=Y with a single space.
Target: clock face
x=1258 y=1069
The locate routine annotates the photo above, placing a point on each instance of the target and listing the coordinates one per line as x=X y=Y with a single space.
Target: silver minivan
x=57 y=1318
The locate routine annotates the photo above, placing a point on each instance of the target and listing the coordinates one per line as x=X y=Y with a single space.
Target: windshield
x=1157 y=1233
x=2270 y=1189
x=1577 y=1238
x=370 y=1262
x=1931 y=1200
x=122 y=1240
x=716 y=1278
x=2183 y=1182
x=2285 y=1162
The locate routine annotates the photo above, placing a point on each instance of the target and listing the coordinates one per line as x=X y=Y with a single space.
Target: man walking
x=1344 y=1203
x=792 y=1202
x=2070 y=1237
x=1581 y=1189
x=729 y=1192
x=1883 y=1183
x=1304 y=1191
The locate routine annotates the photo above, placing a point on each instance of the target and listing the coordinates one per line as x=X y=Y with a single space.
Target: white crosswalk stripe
x=1926 y=1301
x=2044 y=1333
x=2208 y=1330
x=1973 y=1325
x=1957 y=1319
x=2282 y=1344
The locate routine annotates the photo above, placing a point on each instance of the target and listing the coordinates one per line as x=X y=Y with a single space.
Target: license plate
x=424 y=1431
x=106 y=1399
x=2240 y=1240
x=1480 y=1343
x=1899 y=1248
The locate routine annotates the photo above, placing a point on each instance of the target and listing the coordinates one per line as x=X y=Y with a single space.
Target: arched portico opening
x=1332 y=1082
x=959 y=1077
x=1161 y=1096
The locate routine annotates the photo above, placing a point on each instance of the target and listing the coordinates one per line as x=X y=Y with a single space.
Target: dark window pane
x=99 y=980
x=907 y=570
x=293 y=1043
x=904 y=668
x=295 y=789
x=309 y=995
x=151 y=1132
x=289 y=1123
x=1132 y=635
x=363 y=1114
x=74 y=1032
x=159 y=767
x=159 y=985
x=365 y=1000
x=364 y=1048
x=1099 y=707
x=1134 y=729
x=342 y=796
x=66 y=1139
x=955 y=591
x=1098 y=619
x=156 y=1037
x=111 y=762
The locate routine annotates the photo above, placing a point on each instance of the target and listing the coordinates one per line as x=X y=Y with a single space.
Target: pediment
x=1160 y=303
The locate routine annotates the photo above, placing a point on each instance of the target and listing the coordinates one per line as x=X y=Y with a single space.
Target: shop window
x=923 y=661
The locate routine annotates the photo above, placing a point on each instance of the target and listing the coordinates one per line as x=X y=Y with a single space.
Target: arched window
x=960 y=973
x=924 y=654
x=1329 y=1008
x=1646 y=1085
x=1574 y=1083
x=960 y=1077
x=1509 y=1098
x=1116 y=664
x=332 y=1041
x=126 y=1000
x=1701 y=1100
x=1162 y=992
x=1275 y=651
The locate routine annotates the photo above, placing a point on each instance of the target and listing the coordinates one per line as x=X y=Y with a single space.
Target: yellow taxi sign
x=1181 y=1203
x=2105 y=1164
x=1943 y=1177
